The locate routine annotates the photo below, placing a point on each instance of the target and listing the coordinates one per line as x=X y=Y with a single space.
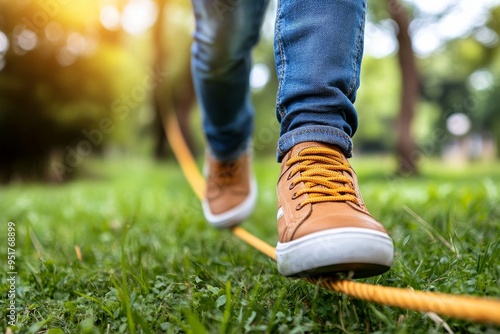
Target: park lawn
x=125 y=249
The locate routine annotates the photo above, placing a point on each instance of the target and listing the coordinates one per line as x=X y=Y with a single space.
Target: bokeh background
x=85 y=79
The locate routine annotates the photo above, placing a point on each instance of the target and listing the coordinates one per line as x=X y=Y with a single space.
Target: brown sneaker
x=231 y=191
x=324 y=227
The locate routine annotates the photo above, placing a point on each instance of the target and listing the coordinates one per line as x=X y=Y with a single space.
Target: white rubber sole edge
x=334 y=247
x=237 y=214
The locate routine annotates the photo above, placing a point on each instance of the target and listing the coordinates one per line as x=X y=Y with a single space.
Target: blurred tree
x=407 y=161
x=456 y=67
x=462 y=79
x=410 y=81
x=57 y=87
x=176 y=94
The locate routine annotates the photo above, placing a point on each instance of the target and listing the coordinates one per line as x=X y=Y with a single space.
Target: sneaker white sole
x=349 y=251
x=237 y=214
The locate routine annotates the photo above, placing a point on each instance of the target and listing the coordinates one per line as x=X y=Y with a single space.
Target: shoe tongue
x=299 y=147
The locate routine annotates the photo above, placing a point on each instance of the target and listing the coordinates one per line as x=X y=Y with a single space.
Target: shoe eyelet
x=289 y=176
x=291 y=186
x=298 y=207
x=294 y=196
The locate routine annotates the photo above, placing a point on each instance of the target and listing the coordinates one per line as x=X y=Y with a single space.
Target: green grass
x=151 y=264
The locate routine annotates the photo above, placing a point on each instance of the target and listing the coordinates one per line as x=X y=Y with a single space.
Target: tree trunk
x=407 y=153
x=184 y=100
x=160 y=149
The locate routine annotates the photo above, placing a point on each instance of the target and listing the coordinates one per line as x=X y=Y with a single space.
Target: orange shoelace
x=225 y=172
x=322 y=171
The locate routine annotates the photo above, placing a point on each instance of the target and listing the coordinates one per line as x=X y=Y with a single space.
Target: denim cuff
x=317 y=133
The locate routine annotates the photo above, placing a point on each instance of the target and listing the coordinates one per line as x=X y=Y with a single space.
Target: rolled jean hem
x=321 y=133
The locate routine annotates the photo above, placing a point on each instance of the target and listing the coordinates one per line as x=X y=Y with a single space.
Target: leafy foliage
x=60 y=78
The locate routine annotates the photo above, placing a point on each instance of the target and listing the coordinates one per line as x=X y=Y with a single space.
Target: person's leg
x=226 y=32
x=323 y=224
x=318 y=51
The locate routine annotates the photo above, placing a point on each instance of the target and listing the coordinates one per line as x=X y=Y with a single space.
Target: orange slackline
x=458 y=306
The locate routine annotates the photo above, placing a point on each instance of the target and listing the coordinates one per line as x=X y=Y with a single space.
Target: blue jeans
x=318 y=49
